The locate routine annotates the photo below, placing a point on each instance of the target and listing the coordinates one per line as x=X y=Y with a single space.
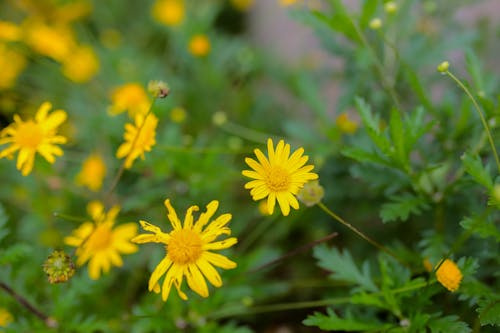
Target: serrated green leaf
x=14 y=253
x=482 y=227
x=363 y=156
x=415 y=127
x=344 y=268
x=414 y=81
x=402 y=206
x=372 y=125
x=448 y=324
x=489 y=311
x=474 y=167
x=332 y=322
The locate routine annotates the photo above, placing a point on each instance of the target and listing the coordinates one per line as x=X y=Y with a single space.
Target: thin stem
x=478 y=109
x=359 y=233
x=134 y=141
x=69 y=217
x=50 y=322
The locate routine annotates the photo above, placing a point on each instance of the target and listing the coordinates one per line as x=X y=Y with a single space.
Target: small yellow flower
x=9 y=31
x=139 y=138
x=12 y=64
x=443 y=67
x=189 y=250
x=375 y=23
x=98 y=243
x=81 y=64
x=178 y=114
x=449 y=275
x=242 y=5
x=345 y=124
x=130 y=97
x=51 y=41
x=5 y=317
x=34 y=136
x=92 y=173
x=390 y=7
x=278 y=177
x=169 y=12
x=199 y=45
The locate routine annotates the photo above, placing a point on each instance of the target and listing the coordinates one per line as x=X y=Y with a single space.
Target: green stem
x=478 y=109
x=359 y=233
x=69 y=217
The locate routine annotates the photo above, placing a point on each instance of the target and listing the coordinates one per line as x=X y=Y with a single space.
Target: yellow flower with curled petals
x=99 y=243
x=279 y=176
x=34 y=136
x=189 y=249
x=139 y=138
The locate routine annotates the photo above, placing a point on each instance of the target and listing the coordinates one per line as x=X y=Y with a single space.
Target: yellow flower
x=12 y=63
x=449 y=275
x=81 y=64
x=34 y=136
x=92 y=173
x=129 y=97
x=286 y=3
x=199 y=45
x=139 y=138
x=9 y=31
x=263 y=210
x=188 y=250
x=98 y=243
x=242 y=5
x=280 y=177
x=168 y=12
x=5 y=317
x=375 y=23
x=345 y=124
x=51 y=41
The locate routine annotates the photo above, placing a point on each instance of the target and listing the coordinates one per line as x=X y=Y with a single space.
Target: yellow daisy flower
x=188 y=250
x=280 y=177
x=168 y=12
x=199 y=45
x=34 y=136
x=139 y=138
x=98 y=243
x=131 y=97
x=92 y=173
x=5 y=317
x=81 y=64
x=449 y=275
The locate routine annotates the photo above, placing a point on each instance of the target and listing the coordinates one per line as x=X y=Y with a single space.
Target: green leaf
x=448 y=324
x=343 y=267
x=372 y=125
x=14 y=253
x=398 y=139
x=367 y=12
x=3 y=223
x=418 y=89
x=331 y=322
x=474 y=167
x=363 y=156
x=415 y=127
x=402 y=206
x=482 y=227
x=475 y=71
x=489 y=311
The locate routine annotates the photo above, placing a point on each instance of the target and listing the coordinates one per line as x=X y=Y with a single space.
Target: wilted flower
x=59 y=267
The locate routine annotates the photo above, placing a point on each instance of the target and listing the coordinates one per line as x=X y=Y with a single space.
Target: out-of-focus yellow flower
x=169 y=12
x=345 y=124
x=51 y=41
x=242 y=5
x=139 y=138
x=11 y=63
x=5 y=317
x=72 y=11
x=178 y=114
x=263 y=208
x=81 y=64
x=9 y=31
x=92 y=172
x=286 y=3
x=391 y=7
x=131 y=97
x=199 y=45
x=375 y=23
x=449 y=275
x=34 y=136
x=427 y=265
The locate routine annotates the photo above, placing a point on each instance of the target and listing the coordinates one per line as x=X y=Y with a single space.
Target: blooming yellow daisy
x=449 y=275
x=34 y=136
x=280 y=177
x=188 y=250
x=131 y=97
x=139 y=138
x=92 y=172
x=98 y=243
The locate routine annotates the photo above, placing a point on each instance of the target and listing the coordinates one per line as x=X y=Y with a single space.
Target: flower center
x=100 y=238
x=277 y=179
x=29 y=135
x=184 y=246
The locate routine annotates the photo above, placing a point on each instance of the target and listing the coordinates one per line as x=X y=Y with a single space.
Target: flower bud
x=311 y=193
x=443 y=67
x=158 y=89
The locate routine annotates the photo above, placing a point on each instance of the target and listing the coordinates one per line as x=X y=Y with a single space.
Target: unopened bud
x=59 y=267
x=311 y=193
x=443 y=67
x=391 y=7
x=375 y=23
x=158 y=89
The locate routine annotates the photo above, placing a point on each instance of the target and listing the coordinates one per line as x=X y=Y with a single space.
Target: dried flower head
x=59 y=267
